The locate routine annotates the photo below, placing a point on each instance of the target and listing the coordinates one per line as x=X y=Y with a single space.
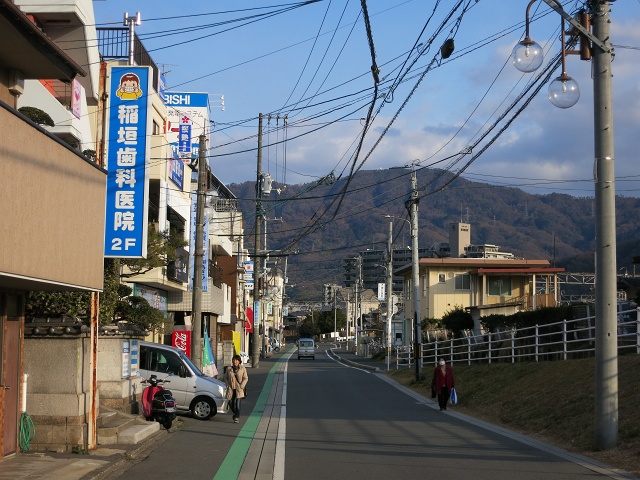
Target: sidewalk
x=101 y=462
x=69 y=466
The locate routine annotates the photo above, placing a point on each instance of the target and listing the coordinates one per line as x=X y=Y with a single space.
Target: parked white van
x=306 y=348
x=203 y=396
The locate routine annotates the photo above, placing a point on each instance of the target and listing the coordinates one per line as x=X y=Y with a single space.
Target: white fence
x=553 y=341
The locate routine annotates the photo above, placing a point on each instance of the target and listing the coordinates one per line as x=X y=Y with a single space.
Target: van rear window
x=306 y=344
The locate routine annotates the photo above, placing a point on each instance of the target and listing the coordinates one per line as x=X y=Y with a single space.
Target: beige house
x=52 y=232
x=483 y=286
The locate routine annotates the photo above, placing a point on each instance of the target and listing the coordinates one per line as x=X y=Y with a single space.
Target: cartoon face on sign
x=129 y=87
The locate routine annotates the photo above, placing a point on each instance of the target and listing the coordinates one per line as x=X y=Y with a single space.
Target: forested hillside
x=325 y=226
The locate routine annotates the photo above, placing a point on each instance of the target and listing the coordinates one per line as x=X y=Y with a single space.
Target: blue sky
x=313 y=64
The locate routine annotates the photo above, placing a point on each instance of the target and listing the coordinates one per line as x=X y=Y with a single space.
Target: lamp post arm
x=576 y=24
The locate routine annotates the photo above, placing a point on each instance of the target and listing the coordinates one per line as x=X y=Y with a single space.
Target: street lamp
x=606 y=390
x=527 y=56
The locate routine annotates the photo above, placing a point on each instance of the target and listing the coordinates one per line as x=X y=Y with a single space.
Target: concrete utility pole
x=595 y=46
x=198 y=258
x=358 y=319
x=412 y=205
x=605 y=203
x=335 y=313
x=255 y=347
x=389 y=291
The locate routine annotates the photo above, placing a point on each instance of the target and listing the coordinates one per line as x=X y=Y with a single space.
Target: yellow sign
x=236 y=342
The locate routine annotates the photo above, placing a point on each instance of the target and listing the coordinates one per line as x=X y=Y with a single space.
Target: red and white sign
x=181 y=339
x=248 y=322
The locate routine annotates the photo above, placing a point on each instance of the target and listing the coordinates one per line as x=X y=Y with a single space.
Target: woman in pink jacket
x=442 y=382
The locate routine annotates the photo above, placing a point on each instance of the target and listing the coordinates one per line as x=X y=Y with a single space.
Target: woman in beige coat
x=236 y=379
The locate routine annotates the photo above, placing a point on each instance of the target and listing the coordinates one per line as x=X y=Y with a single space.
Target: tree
x=161 y=250
x=457 y=320
x=308 y=328
x=57 y=304
x=39 y=116
x=325 y=321
x=90 y=154
x=137 y=312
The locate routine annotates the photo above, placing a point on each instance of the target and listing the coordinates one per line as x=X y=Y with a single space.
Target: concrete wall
x=115 y=391
x=58 y=391
x=49 y=193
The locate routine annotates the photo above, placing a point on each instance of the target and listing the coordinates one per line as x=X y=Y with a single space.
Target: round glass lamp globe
x=564 y=92
x=527 y=56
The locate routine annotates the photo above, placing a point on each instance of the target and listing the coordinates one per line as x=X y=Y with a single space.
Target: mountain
x=326 y=222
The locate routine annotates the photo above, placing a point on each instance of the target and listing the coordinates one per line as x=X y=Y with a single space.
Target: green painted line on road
x=232 y=463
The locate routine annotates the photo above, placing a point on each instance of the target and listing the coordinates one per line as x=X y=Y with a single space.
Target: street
x=322 y=418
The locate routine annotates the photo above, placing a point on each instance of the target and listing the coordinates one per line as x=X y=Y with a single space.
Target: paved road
x=319 y=419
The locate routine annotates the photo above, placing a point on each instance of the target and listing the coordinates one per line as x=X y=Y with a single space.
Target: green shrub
x=39 y=116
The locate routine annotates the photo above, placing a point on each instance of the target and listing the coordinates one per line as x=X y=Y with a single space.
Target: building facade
x=484 y=286
x=53 y=225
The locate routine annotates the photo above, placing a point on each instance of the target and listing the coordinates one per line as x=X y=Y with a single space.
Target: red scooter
x=157 y=402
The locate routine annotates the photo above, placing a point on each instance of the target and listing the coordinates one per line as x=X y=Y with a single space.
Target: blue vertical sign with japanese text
x=129 y=124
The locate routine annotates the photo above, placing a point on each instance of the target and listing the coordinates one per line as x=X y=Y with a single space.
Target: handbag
x=454 y=397
x=433 y=392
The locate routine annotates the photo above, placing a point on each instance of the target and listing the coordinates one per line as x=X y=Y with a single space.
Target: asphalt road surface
x=325 y=418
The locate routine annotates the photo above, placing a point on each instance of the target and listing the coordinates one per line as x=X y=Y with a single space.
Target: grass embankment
x=551 y=401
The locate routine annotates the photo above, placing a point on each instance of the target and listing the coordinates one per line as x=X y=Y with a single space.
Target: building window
x=442 y=278
x=463 y=282
x=500 y=286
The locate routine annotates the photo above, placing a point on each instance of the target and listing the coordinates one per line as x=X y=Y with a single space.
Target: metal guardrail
x=553 y=341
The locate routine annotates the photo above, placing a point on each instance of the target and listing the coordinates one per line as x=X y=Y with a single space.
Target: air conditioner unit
x=16 y=82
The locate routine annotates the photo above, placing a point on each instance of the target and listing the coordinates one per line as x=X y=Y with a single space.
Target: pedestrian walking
x=442 y=382
x=236 y=379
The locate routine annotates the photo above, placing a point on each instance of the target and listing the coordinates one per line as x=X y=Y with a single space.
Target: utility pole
x=198 y=258
x=255 y=347
x=605 y=202
x=412 y=205
x=358 y=319
x=348 y=317
x=389 y=291
x=335 y=313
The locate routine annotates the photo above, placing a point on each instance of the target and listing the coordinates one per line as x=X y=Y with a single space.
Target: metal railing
x=113 y=44
x=563 y=340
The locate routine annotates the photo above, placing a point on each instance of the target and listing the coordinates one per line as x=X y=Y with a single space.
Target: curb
x=133 y=456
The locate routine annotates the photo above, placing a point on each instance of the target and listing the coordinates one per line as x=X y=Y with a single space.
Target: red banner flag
x=181 y=339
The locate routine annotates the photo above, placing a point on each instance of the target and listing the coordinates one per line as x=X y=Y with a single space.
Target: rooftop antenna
x=163 y=65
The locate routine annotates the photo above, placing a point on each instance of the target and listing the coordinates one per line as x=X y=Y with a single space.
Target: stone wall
x=58 y=391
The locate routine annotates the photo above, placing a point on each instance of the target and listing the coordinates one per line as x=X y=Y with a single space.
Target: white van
x=306 y=348
x=203 y=396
